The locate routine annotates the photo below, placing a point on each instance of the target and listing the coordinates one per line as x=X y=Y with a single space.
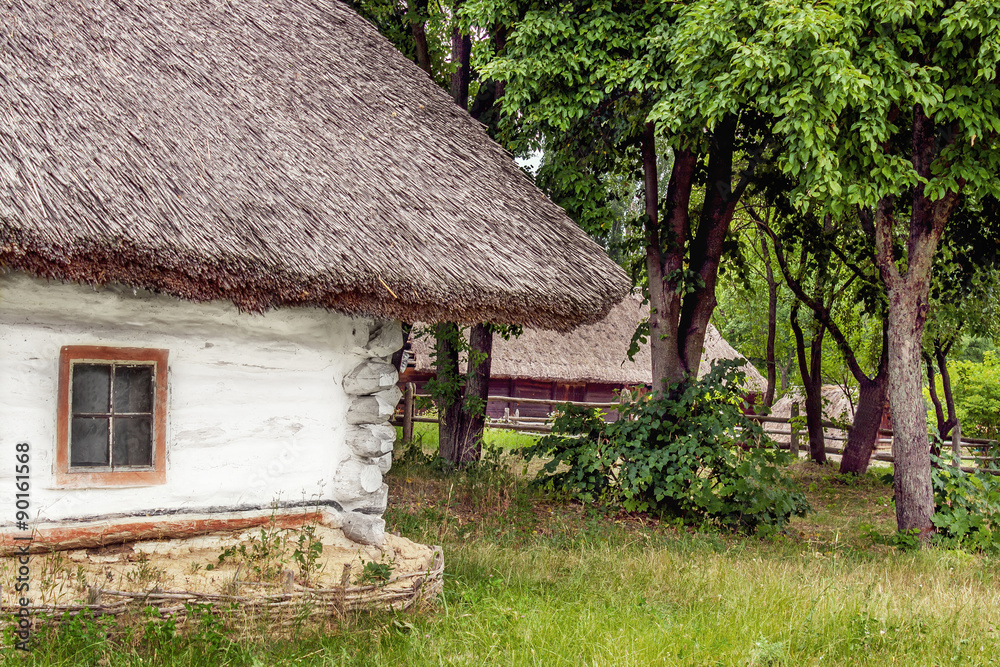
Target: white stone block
x=369 y=440
x=354 y=480
x=372 y=503
x=386 y=340
x=389 y=399
x=370 y=377
x=384 y=463
x=364 y=528
x=366 y=410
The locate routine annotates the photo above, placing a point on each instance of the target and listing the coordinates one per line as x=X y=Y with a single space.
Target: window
x=112 y=409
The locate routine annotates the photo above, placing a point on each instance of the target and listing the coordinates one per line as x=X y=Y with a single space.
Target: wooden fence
x=797 y=438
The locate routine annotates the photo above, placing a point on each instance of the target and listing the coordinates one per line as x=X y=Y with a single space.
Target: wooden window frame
x=69 y=477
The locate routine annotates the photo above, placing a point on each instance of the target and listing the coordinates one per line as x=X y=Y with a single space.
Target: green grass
x=535 y=580
x=427 y=436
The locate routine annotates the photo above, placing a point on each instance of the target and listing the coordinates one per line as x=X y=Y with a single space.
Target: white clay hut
x=589 y=363
x=213 y=217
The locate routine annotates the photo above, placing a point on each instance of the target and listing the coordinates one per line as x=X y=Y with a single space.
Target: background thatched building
x=838 y=407
x=169 y=171
x=588 y=364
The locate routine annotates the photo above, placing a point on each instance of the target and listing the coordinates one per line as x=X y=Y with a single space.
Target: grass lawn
x=532 y=579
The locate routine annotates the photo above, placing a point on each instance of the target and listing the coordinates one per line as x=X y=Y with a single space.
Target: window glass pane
x=133 y=444
x=91 y=387
x=133 y=388
x=89 y=441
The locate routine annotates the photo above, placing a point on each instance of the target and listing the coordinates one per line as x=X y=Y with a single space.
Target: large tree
x=603 y=88
x=888 y=110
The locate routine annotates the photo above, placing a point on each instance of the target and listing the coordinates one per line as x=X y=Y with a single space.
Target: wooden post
x=411 y=389
x=956 y=443
x=793 y=442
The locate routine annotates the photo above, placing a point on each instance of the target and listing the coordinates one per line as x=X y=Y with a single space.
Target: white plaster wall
x=256 y=406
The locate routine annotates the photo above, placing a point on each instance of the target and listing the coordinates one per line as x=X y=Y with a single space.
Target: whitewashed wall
x=257 y=409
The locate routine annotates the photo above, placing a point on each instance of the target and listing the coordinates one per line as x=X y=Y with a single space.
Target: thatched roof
x=837 y=407
x=593 y=353
x=270 y=153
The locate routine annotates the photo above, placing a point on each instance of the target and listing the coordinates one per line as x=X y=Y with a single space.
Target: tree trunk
x=814 y=418
x=477 y=390
x=664 y=256
x=864 y=432
x=941 y=354
x=814 y=401
x=707 y=244
x=677 y=324
x=461 y=52
x=450 y=402
x=485 y=107
x=863 y=437
x=772 y=322
x=417 y=25
x=786 y=371
x=910 y=447
x=908 y=304
x=812 y=381
x=935 y=401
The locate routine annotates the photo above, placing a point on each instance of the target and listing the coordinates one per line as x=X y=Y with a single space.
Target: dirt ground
x=267 y=560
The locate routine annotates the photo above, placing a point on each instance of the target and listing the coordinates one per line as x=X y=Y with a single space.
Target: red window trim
x=67 y=477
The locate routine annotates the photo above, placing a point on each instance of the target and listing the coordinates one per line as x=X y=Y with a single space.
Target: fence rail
x=407 y=417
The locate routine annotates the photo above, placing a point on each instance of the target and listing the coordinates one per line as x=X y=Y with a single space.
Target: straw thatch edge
x=256 y=288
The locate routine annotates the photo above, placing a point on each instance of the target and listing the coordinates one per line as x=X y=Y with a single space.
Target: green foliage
x=208 y=634
x=904 y=540
x=262 y=553
x=967 y=507
x=446 y=387
x=580 y=83
x=977 y=396
x=376 y=573
x=267 y=553
x=976 y=389
x=689 y=453
x=159 y=631
x=843 y=78
x=84 y=634
x=308 y=549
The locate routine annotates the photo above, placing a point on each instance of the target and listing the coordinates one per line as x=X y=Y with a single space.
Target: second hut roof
x=593 y=353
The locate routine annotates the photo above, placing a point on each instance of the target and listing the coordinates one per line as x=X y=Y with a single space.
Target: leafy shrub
x=966 y=507
x=688 y=453
x=307 y=552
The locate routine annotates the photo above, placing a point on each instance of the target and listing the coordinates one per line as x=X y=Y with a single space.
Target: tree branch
x=821 y=312
x=851 y=265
